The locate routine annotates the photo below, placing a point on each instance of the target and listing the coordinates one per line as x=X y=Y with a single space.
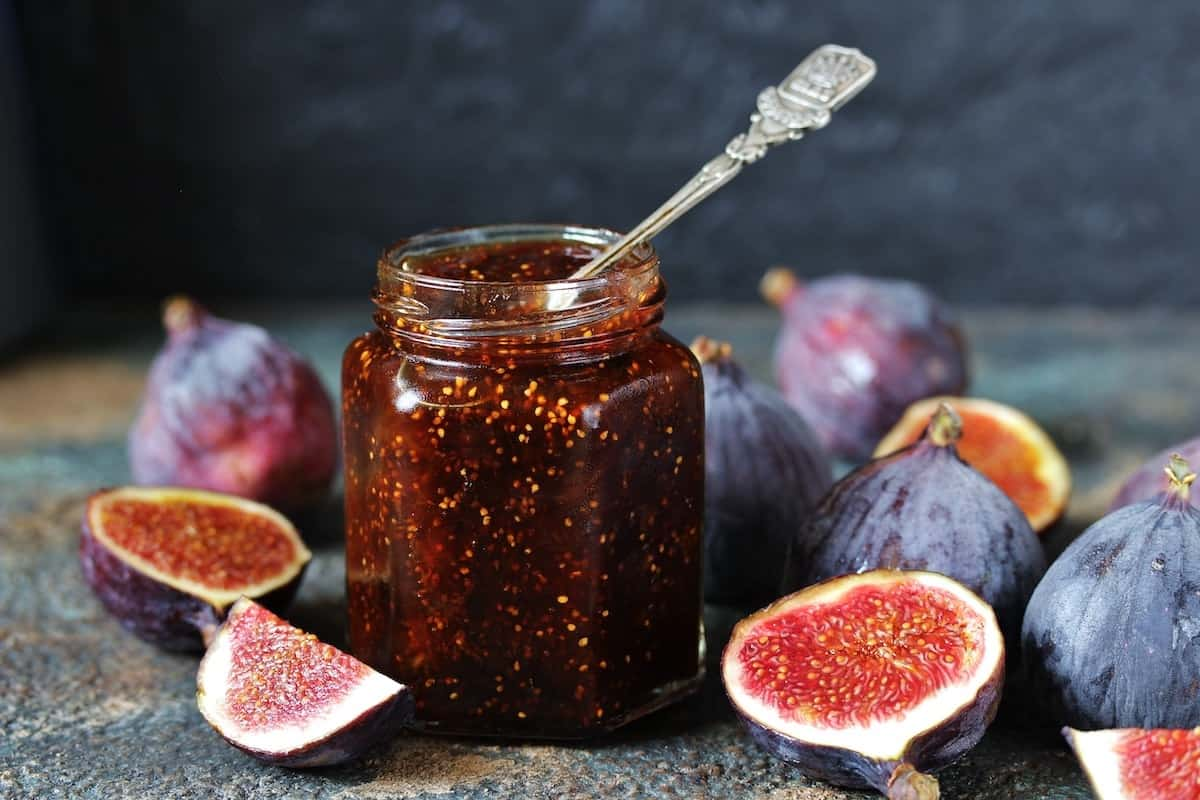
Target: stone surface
x=88 y=711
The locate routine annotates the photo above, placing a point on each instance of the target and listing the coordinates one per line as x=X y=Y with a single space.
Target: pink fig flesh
x=231 y=409
x=1138 y=764
x=284 y=697
x=869 y=680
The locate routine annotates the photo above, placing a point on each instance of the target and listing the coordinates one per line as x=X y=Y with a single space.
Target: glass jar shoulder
x=376 y=366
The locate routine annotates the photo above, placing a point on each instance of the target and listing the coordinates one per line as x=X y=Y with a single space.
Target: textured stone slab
x=88 y=711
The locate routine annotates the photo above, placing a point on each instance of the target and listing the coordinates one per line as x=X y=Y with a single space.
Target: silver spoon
x=822 y=84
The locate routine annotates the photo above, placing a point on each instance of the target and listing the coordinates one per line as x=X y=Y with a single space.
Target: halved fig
x=286 y=698
x=1004 y=444
x=869 y=680
x=169 y=562
x=1137 y=764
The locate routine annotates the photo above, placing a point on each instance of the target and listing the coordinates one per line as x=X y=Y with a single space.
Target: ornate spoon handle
x=822 y=84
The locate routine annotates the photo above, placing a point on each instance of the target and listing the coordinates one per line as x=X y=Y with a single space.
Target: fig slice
x=1003 y=443
x=169 y=562
x=284 y=697
x=869 y=680
x=1137 y=764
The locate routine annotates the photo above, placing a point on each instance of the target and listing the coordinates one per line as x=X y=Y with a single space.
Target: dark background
x=1022 y=151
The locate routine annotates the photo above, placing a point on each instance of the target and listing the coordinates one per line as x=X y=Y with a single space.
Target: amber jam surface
x=524 y=485
x=513 y=262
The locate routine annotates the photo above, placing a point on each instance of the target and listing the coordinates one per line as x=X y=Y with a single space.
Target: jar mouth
x=393 y=263
x=415 y=303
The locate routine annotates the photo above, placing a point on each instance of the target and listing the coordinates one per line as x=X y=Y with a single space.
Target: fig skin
x=381 y=719
x=929 y=750
x=1007 y=446
x=932 y=750
x=152 y=610
x=1147 y=481
x=764 y=473
x=1110 y=635
x=854 y=352
x=924 y=508
x=370 y=729
x=231 y=409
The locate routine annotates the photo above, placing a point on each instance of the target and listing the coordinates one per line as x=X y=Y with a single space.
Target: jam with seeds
x=524 y=485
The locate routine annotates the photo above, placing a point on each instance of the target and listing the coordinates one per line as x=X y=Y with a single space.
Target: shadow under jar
x=524 y=461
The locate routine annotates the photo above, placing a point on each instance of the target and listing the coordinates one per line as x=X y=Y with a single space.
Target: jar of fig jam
x=524 y=485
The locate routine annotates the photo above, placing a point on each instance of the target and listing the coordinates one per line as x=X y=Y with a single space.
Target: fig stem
x=1180 y=475
x=906 y=783
x=710 y=350
x=180 y=313
x=945 y=426
x=778 y=284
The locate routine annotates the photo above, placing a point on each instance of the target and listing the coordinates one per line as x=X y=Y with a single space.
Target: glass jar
x=524 y=461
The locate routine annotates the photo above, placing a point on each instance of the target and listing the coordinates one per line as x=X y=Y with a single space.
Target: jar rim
x=421 y=305
x=442 y=239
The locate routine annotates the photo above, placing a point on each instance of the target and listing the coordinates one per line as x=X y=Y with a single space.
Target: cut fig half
x=169 y=562
x=1136 y=764
x=870 y=680
x=284 y=697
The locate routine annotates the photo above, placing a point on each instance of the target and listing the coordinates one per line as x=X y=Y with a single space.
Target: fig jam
x=524 y=485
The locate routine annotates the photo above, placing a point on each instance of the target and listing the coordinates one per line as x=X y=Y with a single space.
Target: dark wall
x=1019 y=151
x=28 y=289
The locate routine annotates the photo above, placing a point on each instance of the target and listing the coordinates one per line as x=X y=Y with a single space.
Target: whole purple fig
x=1148 y=481
x=855 y=352
x=231 y=409
x=1112 y=634
x=925 y=508
x=764 y=473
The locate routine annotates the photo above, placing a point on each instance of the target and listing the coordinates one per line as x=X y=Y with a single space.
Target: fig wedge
x=279 y=694
x=870 y=680
x=1137 y=764
x=168 y=563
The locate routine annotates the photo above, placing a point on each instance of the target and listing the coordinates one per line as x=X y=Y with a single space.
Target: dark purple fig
x=1136 y=764
x=230 y=409
x=869 y=680
x=284 y=697
x=923 y=507
x=168 y=563
x=855 y=352
x=1148 y=482
x=1112 y=634
x=764 y=472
